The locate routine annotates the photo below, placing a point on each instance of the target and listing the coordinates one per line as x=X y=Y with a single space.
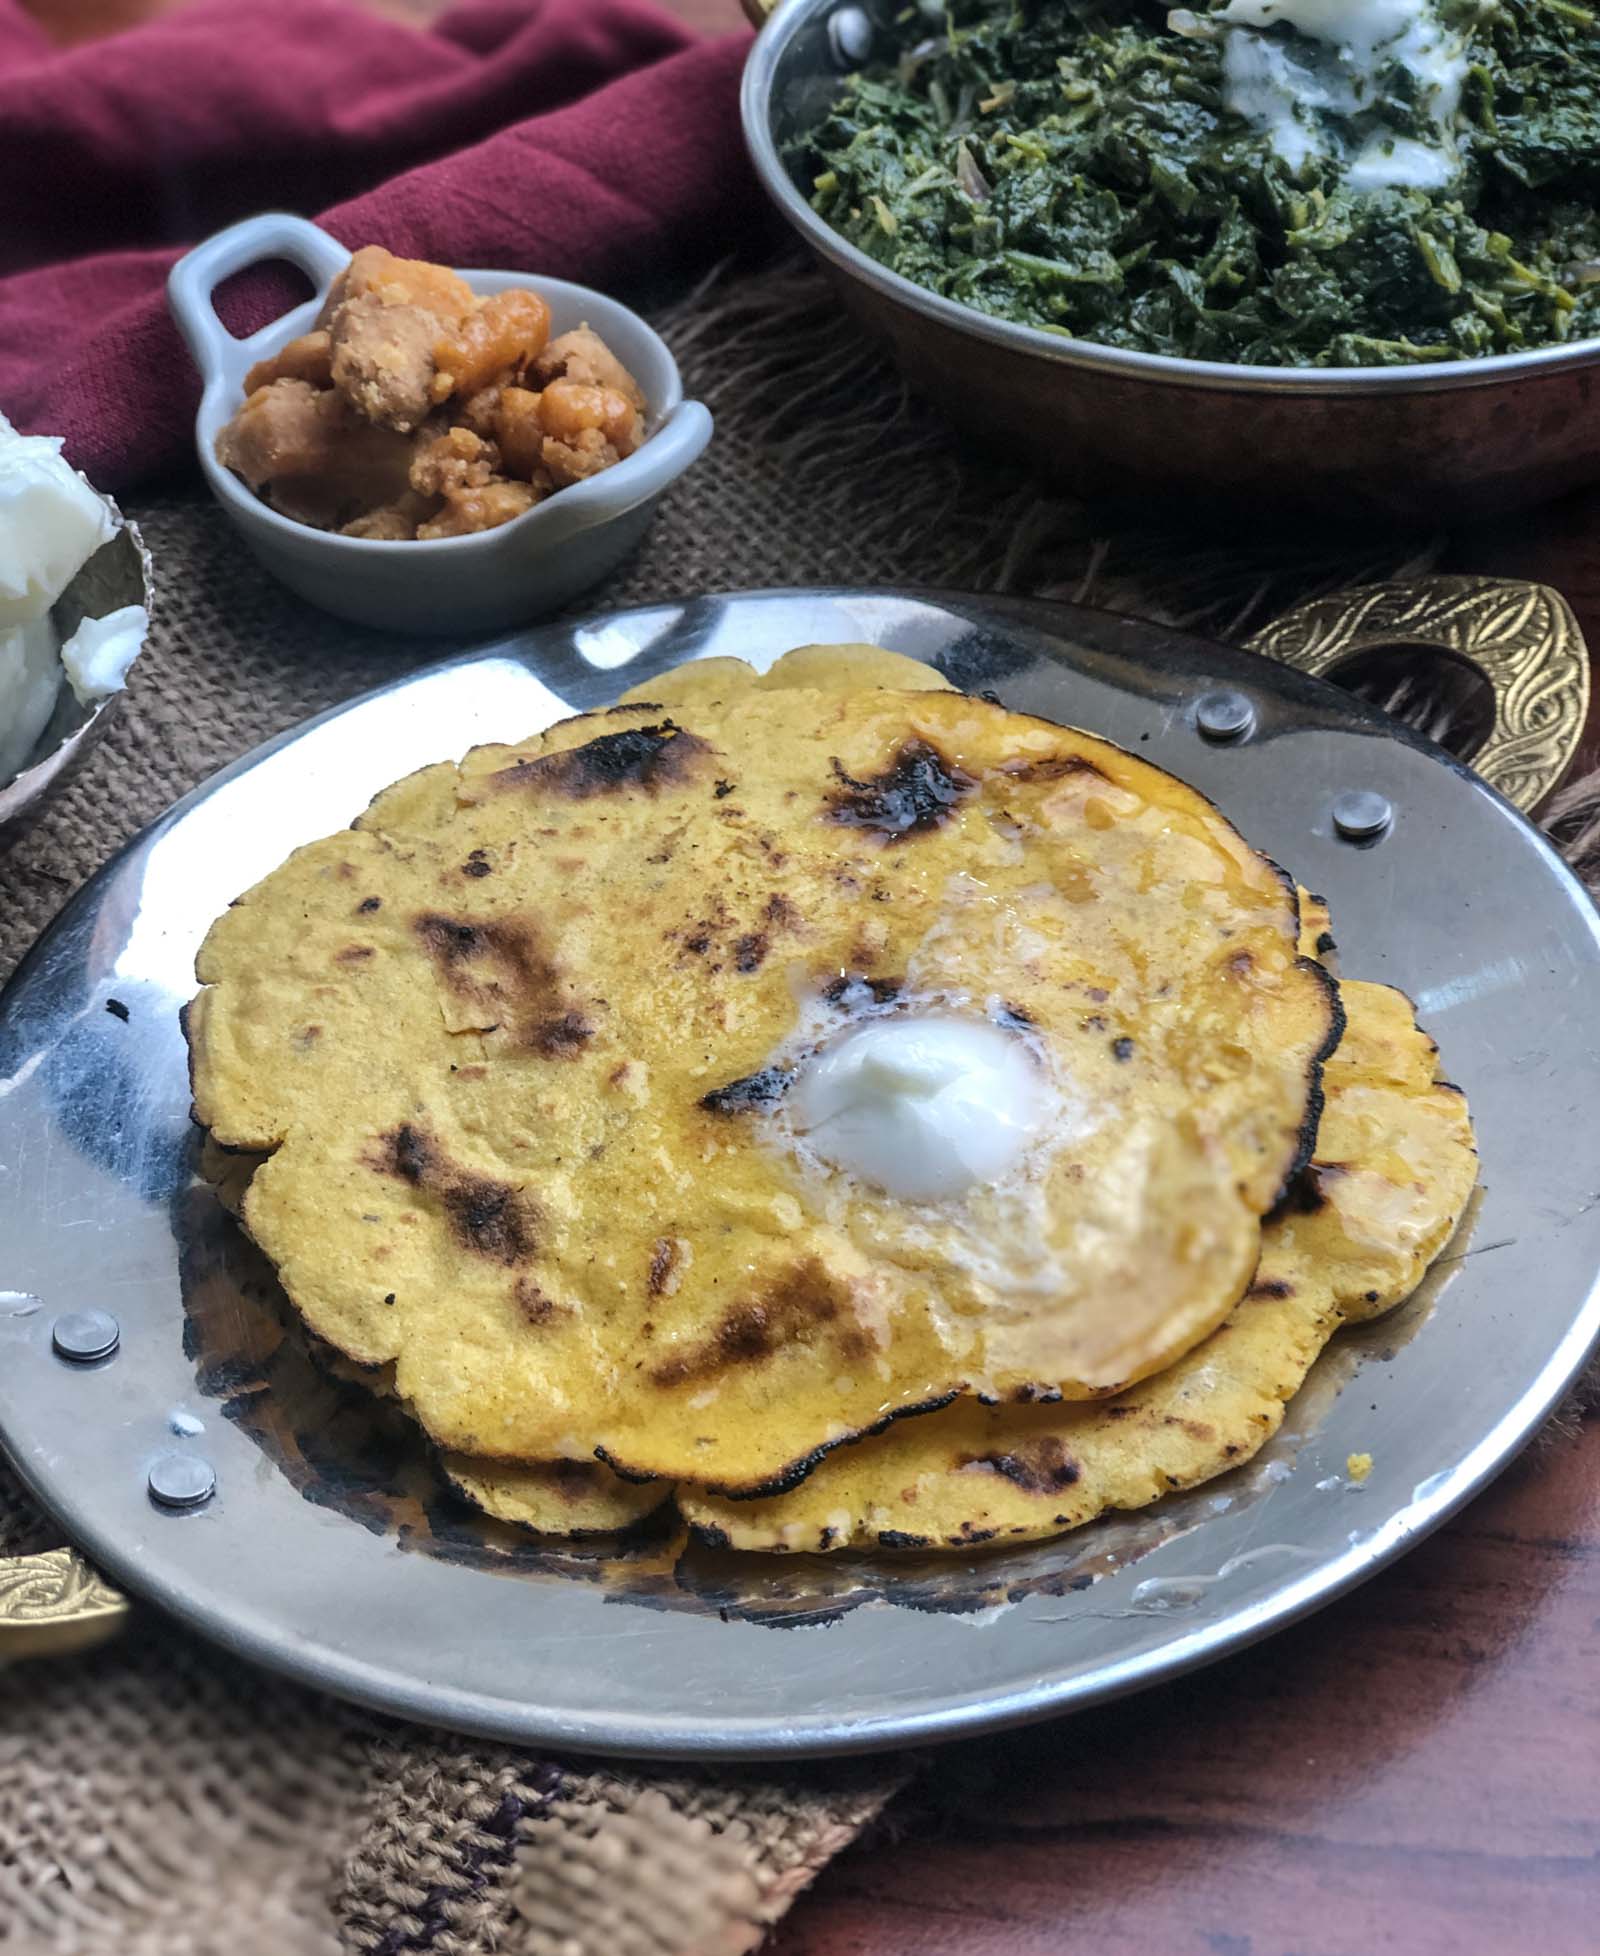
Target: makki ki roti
x=580 y=1498
x=572 y=1498
x=1393 y=1168
x=512 y=1045
x=577 y=1498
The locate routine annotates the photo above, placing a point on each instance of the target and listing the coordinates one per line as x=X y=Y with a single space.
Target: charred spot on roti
x=649 y=759
x=790 y=1477
x=1041 y=1466
x=1122 y=1048
x=409 y=1154
x=751 y=1094
x=918 y=791
x=1310 y=1190
x=368 y=904
x=489 y=1219
x=561 y=1036
x=665 y=1257
x=497 y=967
x=797 y=1303
x=477 y=864
x=1311 y=1120
x=486 y=1217
x=1058 y=767
x=632 y=1475
x=532 y=1302
x=853 y=991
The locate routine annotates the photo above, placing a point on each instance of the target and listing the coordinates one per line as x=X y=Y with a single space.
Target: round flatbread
x=516 y=1047
x=1393 y=1169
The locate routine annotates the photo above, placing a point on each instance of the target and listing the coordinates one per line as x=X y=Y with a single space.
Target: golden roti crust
x=555 y=1497
x=539 y=1498
x=1394 y=1167
x=498 y=1042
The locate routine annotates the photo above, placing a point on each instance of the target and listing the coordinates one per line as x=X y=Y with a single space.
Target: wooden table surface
x=1416 y=1770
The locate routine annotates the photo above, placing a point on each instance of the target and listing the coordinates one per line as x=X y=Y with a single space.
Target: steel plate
x=327 y=1550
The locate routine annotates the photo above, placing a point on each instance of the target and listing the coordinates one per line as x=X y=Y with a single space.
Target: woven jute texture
x=157 y=1799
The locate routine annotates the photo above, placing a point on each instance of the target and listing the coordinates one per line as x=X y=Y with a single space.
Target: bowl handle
x=680 y=440
x=1521 y=638
x=193 y=281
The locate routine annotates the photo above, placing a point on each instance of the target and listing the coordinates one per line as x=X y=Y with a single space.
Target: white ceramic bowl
x=486 y=582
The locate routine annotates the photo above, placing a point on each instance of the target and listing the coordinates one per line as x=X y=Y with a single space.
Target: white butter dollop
x=51 y=524
x=1296 y=92
x=30 y=678
x=921 y=1105
x=100 y=651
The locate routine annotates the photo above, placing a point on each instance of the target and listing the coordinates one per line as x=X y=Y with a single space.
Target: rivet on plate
x=83 y=1336
x=1224 y=715
x=181 y=1480
x=850 y=36
x=1362 y=814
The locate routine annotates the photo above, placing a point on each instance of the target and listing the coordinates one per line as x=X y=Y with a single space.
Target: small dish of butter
x=74 y=592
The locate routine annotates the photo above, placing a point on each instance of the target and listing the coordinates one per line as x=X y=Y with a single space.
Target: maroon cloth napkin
x=595 y=140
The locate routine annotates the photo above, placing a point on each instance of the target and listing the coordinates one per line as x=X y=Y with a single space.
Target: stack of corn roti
x=505 y=1081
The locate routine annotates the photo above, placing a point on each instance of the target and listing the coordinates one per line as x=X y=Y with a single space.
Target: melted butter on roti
x=503 y=1044
x=1392 y=1172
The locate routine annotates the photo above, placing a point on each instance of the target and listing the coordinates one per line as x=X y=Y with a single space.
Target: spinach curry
x=1274 y=182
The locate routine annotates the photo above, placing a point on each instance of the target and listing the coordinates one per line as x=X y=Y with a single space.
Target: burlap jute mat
x=157 y=1799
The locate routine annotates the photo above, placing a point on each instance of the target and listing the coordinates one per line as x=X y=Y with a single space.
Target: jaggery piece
x=456 y=459
x=309 y=358
x=477 y=411
x=384 y=316
x=314 y=459
x=374 y=272
x=499 y=336
x=583 y=355
x=463 y=469
x=347 y=429
x=566 y=433
x=567 y=407
x=587 y=430
x=383 y=360
x=284 y=428
x=519 y=432
x=395 y=522
x=468 y=510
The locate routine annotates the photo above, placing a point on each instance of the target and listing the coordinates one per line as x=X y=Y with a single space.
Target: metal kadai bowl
x=1447 y=441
